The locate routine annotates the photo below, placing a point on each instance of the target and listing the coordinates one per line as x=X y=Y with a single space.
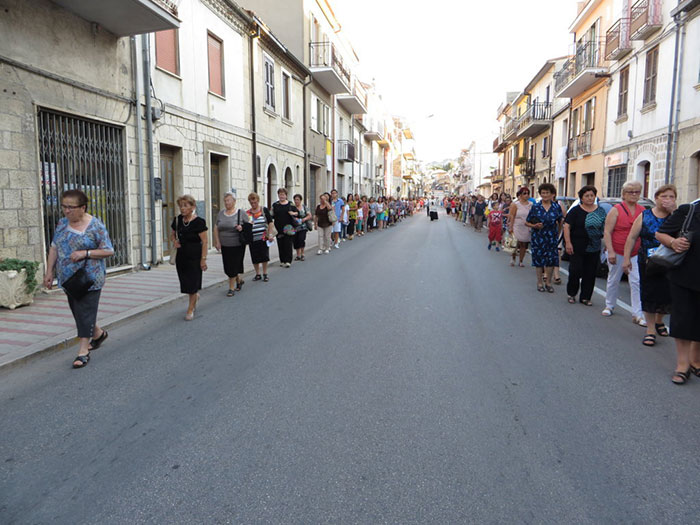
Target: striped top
x=260 y=221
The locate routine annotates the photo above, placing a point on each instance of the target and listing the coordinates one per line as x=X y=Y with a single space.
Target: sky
x=454 y=59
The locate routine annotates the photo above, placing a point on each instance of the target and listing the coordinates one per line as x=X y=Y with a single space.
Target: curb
x=68 y=338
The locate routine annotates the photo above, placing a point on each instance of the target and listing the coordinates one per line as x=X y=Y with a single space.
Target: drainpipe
x=674 y=116
x=253 y=127
x=352 y=139
x=146 y=44
x=568 y=139
x=139 y=155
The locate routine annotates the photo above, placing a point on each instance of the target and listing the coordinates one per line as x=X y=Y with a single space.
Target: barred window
x=616 y=178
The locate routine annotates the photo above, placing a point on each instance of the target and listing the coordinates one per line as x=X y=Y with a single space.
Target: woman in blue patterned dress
x=80 y=241
x=654 y=289
x=544 y=220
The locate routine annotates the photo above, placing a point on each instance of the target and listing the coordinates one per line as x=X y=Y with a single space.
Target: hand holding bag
x=332 y=217
x=666 y=258
x=246 y=234
x=78 y=284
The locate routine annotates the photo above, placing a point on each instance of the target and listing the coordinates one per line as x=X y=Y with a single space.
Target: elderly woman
x=654 y=289
x=262 y=232
x=302 y=226
x=323 y=224
x=284 y=214
x=227 y=240
x=80 y=241
x=189 y=233
x=617 y=227
x=583 y=231
x=544 y=220
x=685 y=289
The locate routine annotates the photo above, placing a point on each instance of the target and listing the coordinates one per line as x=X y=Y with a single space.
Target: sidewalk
x=47 y=324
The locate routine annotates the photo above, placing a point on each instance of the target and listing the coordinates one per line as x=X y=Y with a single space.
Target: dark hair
x=547 y=187
x=522 y=190
x=665 y=188
x=282 y=190
x=586 y=189
x=78 y=195
x=300 y=197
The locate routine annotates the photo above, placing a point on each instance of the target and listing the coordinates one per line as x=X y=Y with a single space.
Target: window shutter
x=314 y=113
x=166 y=50
x=216 y=82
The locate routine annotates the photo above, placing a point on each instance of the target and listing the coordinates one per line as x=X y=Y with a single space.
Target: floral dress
x=545 y=241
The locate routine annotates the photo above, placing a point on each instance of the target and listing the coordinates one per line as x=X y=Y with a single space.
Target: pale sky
x=454 y=59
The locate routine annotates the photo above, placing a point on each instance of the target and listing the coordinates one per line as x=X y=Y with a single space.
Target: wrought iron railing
x=617 y=39
x=346 y=151
x=587 y=55
x=580 y=145
x=644 y=14
x=325 y=54
x=536 y=112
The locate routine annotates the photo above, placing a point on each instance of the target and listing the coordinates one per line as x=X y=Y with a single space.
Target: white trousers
x=613 y=288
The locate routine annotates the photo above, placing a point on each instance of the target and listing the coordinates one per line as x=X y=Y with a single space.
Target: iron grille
x=78 y=153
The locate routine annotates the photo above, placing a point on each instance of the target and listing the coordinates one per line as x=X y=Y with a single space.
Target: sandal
x=302 y=258
x=82 y=359
x=265 y=278
x=521 y=265
x=239 y=285
x=683 y=377
x=540 y=288
x=571 y=299
x=649 y=340
x=549 y=289
x=257 y=277
x=230 y=293
x=661 y=329
x=557 y=280
x=95 y=343
x=695 y=371
x=587 y=302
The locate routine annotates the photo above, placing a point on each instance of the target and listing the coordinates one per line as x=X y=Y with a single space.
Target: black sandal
x=549 y=289
x=257 y=277
x=571 y=299
x=239 y=285
x=661 y=329
x=95 y=343
x=557 y=280
x=649 y=340
x=230 y=293
x=265 y=278
x=695 y=371
x=82 y=359
x=587 y=302
x=684 y=376
x=540 y=288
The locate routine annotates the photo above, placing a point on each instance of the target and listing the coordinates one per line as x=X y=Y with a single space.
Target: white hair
x=630 y=183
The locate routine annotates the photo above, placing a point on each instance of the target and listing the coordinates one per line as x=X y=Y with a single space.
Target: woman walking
x=227 y=240
x=351 y=203
x=583 y=231
x=262 y=232
x=495 y=227
x=544 y=219
x=80 y=241
x=323 y=224
x=654 y=289
x=617 y=227
x=303 y=225
x=381 y=213
x=189 y=234
x=519 y=211
x=685 y=289
x=284 y=213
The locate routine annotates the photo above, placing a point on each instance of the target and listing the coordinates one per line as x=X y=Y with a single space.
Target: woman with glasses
x=544 y=219
x=617 y=227
x=519 y=211
x=80 y=241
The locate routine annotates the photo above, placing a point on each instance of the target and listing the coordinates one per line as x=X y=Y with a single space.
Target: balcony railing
x=346 y=151
x=497 y=175
x=580 y=145
x=325 y=56
x=510 y=128
x=527 y=168
x=645 y=18
x=537 y=116
x=356 y=101
x=617 y=40
x=579 y=71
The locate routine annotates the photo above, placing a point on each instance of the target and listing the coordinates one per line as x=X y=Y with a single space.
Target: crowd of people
x=81 y=243
x=624 y=239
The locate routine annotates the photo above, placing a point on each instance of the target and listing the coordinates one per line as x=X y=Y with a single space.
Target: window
x=589 y=115
x=315 y=112
x=622 y=95
x=341 y=128
x=167 y=51
x=575 y=123
x=286 y=96
x=326 y=120
x=545 y=147
x=616 y=178
x=216 y=64
x=650 y=72
x=269 y=82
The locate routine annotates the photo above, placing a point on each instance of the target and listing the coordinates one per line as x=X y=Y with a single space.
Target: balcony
x=580 y=145
x=527 y=168
x=409 y=155
x=617 y=40
x=581 y=71
x=327 y=68
x=354 y=103
x=645 y=19
x=510 y=129
x=499 y=143
x=126 y=17
x=346 y=151
x=375 y=129
x=497 y=176
x=536 y=119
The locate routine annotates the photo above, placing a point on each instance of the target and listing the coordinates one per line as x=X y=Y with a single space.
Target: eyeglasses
x=633 y=192
x=69 y=207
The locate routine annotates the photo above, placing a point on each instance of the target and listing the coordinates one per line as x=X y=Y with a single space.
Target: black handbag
x=78 y=284
x=246 y=234
x=666 y=258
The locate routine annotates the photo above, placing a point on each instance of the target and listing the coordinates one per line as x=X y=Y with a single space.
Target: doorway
x=646 y=170
x=215 y=166
x=169 y=208
x=271 y=186
x=289 y=181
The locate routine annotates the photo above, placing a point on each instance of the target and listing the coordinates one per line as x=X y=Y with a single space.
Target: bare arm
x=205 y=240
x=677 y=244
x=217 y=244
x=512 y=213
x=629 y=243
x=50 y=264
x=610 y=222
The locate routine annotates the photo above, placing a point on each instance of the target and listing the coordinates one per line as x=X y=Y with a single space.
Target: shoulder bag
x=173 y=250
x=246 y=234
x=332 y=217
x=310 y=223
x=78 y=284
x=666 y=258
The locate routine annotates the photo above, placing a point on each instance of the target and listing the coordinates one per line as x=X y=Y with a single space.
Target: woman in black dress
x=189 y=233
x=284 y=214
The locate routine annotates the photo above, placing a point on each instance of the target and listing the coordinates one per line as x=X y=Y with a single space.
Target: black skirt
x=685 y=313
x=259 y=252
x=189 y=269
x=85 y=312
x=300 y=239
x=233 y=259
x=654 y=290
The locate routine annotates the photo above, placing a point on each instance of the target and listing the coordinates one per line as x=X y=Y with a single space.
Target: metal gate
x=78 y=153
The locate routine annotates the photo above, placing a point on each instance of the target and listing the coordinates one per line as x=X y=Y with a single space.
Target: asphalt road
x=409 y=377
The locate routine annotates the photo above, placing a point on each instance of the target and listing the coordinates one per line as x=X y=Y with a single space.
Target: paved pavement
x=409 y=377
x=47 y=324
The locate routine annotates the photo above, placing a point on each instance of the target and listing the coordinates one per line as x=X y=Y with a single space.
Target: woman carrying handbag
x=227 y=240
